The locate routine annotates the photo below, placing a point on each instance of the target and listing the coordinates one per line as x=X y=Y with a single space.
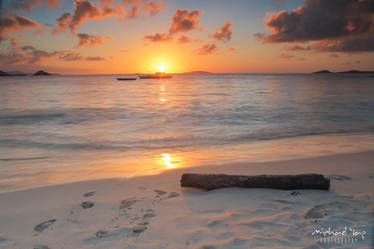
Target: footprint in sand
x=139 y=228
x=89 y=194
x=316 y=212
x=44 y=225
x=159 y=192
x=87 y=204
x=127 y=204
x=149 y=213
x=173 y=194
x=101 y=234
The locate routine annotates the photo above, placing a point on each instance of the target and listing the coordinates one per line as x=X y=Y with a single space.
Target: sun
x=162 y=68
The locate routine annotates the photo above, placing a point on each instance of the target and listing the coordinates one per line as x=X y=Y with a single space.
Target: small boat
x=158 y=75
x=126 y=78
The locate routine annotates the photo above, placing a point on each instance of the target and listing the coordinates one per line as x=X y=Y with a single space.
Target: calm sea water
x=65 y=128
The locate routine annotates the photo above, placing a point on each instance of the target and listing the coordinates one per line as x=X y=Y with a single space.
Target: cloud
x=223 y=33
x=152 y=8
x=53 y=3
x=71 y=56
x=35 y=55
x=286 y=56
x=106 y=3
x=232 y=49
x=344 y=26
x=157 y=37
x=184 y=39
x=91 y=40
x=62 y=23
x=30 y=55
x=16 y=23
x=184 y=21
x=85 y=10
x=23 y=5
x=94 y=58
x=364 y=43
x=27 y=5
x=11 y=58
x=259 y=36
x=207 y=49
x=297 y=48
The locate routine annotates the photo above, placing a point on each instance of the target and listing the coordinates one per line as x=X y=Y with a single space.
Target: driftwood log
x=286 y=182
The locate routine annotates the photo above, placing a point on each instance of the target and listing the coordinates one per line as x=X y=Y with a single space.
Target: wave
x=181 y=141
x=64 y=116
x=23 y=158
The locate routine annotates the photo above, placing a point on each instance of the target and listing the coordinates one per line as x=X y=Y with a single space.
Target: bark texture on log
x=285 y=182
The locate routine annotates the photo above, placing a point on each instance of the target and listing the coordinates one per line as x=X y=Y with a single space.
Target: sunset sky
x=130 y=36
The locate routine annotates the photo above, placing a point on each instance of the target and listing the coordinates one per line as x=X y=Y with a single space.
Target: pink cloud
x=207 y=49
x=91 y=40
x=184 y=21
x=158 y=37
x=16 y=23
x=62 y=23
x=151 y=8
x=223 y=33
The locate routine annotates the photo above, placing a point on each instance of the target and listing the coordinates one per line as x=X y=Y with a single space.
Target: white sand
x=224 y=218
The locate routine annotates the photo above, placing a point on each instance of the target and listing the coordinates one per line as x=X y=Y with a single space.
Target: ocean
x=58 y=129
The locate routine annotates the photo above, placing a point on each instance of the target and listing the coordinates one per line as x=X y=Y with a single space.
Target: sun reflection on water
x=166 y=159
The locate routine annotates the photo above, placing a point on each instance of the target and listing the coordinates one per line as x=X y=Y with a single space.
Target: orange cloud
x=184 y=21
x=31 y=55
x=62 y=23
x=223 y=33
x=157 y=37
x=207 y=49
x=71 y=56
x=53 y=3
x=24 y=5
x=106 y=3
x=85 y=10
x=184 y=39
x=151 y=8
x=16 y=23
x=350 y=28
x=91 y=40
x=95 y=58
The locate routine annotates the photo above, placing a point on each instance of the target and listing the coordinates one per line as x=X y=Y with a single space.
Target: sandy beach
x=155 y=212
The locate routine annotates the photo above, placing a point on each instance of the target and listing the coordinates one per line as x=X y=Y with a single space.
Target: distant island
x=19 y=73
x=41 y=72
x=347 y=72
x=324 y=71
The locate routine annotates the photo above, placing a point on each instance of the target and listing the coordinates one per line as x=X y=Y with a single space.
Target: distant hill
x=350 y=71
x=41 y=72
x=356 y=71
x=323 y=71
x=197 y=72
x=2 y=73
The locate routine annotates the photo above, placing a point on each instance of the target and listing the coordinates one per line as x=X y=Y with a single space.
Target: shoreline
x=189 y=169
x=155 y=212
x=17 y=176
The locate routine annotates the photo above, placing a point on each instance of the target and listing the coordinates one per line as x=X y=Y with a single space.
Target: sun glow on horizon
x=162 y=68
